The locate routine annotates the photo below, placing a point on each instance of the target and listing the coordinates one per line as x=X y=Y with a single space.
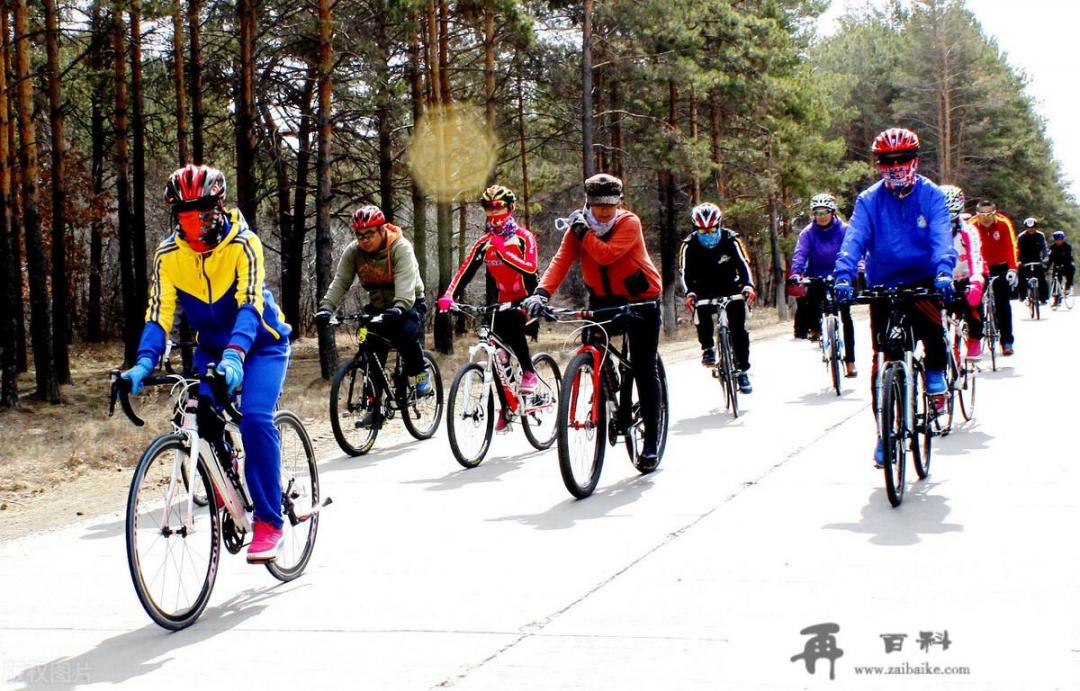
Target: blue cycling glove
x=142 y=369
x=944 y=284
x=843 y=292
x=232 y=366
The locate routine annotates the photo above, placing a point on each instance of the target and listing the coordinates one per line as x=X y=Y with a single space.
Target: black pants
x=740 y=337
x=814 y=305
x=1066 y=270
x=406 y=334
x=1027 y=272
x=924 y=315
x=643 y=330
x=972 y=316
x=510 y=327
x=1002 y=308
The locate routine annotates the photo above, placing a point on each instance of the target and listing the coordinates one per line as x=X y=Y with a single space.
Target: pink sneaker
x=529 y=382
x=500 y=422
x=265 y=543
x=974 y=349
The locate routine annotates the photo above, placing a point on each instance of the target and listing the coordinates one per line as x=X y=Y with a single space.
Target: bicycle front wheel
x=893 y=433
x=635 y=443
x=541 y=408
x=421 y=414
x=727 y=374
x=299 y=497
x=470 y=416
x=582 y=426
x=834 y=354
x=926 y=424
x=355 y=414
x=173 y=544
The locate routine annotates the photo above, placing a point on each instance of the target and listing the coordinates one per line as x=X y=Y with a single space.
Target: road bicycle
x=188 y=495
x=1032 y=296
x=961 y=371
x=904 y=411
x=725 y=370
x=833 y=348
x=991 y=335
x=1060 y=296
x=599 y=403
x=366 y=392
x=491 y=378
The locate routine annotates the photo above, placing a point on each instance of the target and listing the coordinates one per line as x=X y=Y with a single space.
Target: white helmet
x=826 y=201
x=1031 y=222
x=706 y=215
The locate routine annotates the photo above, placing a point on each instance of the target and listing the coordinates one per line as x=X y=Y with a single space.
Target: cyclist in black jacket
x=1031 y=246
x=1061 y=258
x=712 y=264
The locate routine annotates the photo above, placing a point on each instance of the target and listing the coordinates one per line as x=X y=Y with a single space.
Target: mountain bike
x=904 y=411
x=991 y=335
x=599 y=401
x=1032 y=296
x=183 y=504
x=832 y=339
x=493 y=380
x=366 y=392
x=1060 y=296
x=725 y=369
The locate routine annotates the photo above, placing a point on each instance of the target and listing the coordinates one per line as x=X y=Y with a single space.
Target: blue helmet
x=1059 y=234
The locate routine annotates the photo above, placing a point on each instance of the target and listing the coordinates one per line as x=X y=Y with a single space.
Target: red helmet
x=195 y=186
x=369 y=216
x=895 y=140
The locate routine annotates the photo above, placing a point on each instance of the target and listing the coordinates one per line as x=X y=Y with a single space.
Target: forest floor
x=63 y=463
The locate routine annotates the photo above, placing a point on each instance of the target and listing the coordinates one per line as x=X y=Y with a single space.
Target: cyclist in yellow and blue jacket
x=212 y=264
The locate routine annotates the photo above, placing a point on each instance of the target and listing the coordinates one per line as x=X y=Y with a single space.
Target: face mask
x=201 y=230
x=503 y=224
x=900 y=176
x=709 y=240
x=601 y=229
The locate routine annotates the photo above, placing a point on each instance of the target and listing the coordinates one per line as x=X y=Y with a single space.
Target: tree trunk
x=668 y=240
x=94 y=331
x=616 y=128
x=47 y=387
x=178 y=83
x=440 y=81
x=9 y=342
x=384 y=113
x=419 y=204
x=777 y=259
x=695 y=188
x=58 y=250
x=14 y=196
x=138 y=163
x=714 y=138
x=587 y=91
x=489 y=65
x=521 y=142
x=194 y=17
x=324 y=240
x=292 y=260
x=246 y=192
x=123 y=188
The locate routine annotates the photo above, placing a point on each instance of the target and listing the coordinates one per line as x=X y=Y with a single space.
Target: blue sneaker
x=935 y=382
x=423 y=386
x=879 y=455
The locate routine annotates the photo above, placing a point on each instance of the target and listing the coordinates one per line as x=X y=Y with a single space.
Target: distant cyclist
x=902 y=223
x=1032 y=249
x=999 y=253
x=1061 y=259
x=815 y=256
x=969 y=278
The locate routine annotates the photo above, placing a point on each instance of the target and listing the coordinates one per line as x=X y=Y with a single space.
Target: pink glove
x=974 y=294
x=445 y=303
x=498 y=242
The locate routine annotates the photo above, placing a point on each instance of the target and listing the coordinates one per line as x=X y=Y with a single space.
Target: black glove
x=322 y=317
x=392 y=314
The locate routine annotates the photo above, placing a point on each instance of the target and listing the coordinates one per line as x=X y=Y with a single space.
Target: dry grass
x=70 y=460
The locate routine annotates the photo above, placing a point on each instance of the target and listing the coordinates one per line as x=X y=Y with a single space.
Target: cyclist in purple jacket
x=815 y=256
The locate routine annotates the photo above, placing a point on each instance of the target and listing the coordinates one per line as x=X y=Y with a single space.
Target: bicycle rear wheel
x=172 y=560
x=470 y=416
x=355 y=410
x=421 y=414
x=893 y=433
x=966 y=390
x=582 y=426
x=541 y=408
x=1057 y=293
x=635 y=443
x=299 y=498
x=926 y=424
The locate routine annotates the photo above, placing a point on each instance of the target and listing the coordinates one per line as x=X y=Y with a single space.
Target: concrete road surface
x=700 y=576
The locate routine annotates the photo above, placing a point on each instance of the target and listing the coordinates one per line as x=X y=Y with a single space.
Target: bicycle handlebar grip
x=221 y=392
x=121 y=389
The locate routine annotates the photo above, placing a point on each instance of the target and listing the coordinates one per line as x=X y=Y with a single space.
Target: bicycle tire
x=1057 y=294
x=638 y=422
x=966 y=392
x=342 y=420
x=834 y=355
x=926 y=424
x=547 y=393
x=410 y=409
x=484 y=414
x=727 y=374
x=578 y=372
x=179 y=618
x=892 y=433
x=299 y=498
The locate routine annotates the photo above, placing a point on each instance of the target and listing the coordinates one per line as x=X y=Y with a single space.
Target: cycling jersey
x=221 y=291
x=1061 y=255
x=616 y=265
x=998 y=242
x=717 y=271
x=511 y=266
x=969 y=258
x=1031 y=246
x=391 y=275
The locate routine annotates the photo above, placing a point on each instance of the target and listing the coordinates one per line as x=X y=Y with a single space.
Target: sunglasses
x=985 y=214
x=824 y=212
x=896 y=159
x=495 y=206
x=365 y=235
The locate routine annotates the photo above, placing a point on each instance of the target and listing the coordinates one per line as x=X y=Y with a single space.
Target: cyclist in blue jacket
x=212 y=264
x=902 y=225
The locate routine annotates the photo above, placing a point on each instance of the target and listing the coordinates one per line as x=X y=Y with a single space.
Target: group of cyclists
x=905 y=230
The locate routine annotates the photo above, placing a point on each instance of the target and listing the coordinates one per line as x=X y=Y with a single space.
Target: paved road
x=700 y=576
